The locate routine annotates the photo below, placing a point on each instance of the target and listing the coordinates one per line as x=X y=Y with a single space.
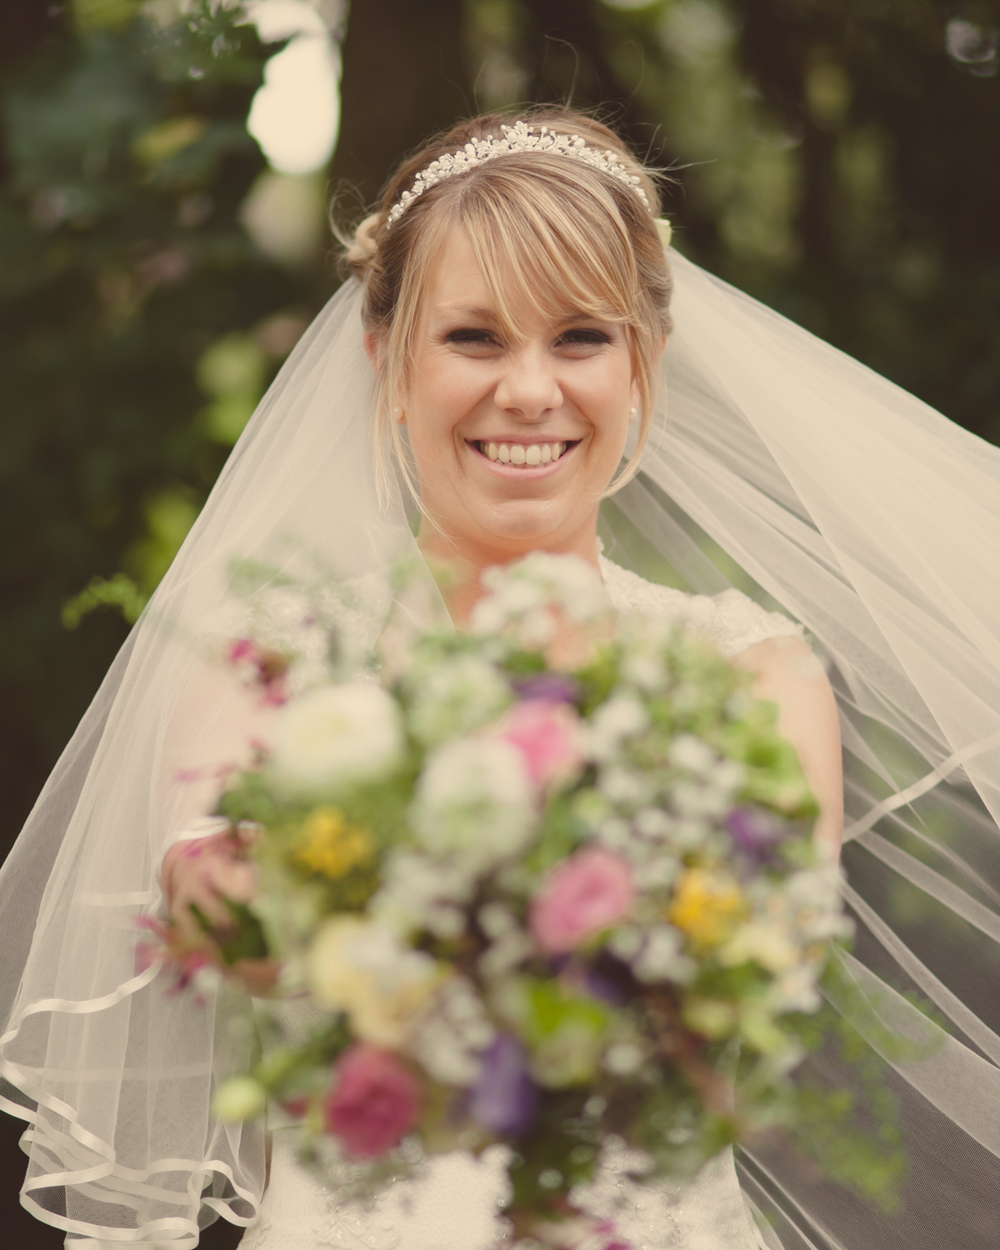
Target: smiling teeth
x=518 y=453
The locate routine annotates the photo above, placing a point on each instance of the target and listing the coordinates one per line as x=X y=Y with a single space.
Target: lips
x=522 y=455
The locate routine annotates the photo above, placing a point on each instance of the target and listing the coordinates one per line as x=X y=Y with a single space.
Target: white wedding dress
x=455 y=1203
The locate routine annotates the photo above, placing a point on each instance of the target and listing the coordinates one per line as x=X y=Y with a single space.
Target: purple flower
x=610 y=980
x=552 y=687
x=755 y=831
x=505 y=1098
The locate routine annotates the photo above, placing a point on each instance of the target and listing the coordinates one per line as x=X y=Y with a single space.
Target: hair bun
x=363 y=246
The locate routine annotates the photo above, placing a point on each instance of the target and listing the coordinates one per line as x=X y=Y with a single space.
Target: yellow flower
x=331 y=846
x=706 y=906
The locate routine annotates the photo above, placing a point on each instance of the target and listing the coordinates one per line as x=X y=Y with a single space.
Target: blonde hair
x=545 y=227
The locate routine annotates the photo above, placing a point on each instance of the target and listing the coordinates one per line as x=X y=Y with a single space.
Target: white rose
x=335 y=737
x=474 y=801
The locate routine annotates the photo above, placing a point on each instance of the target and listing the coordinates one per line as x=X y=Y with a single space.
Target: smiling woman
x=481 y=405
x=516 y=316
x=542 y=234
x=513 y=298
x=518 y=299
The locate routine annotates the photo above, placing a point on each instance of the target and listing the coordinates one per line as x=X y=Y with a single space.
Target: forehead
x=455 y=278
x=515 y=289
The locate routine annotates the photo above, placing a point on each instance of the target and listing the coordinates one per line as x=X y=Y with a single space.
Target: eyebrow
x=488 y=314
x=459 y=310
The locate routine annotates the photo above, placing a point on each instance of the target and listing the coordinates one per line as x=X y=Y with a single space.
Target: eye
x=584 y=336
x=471 y=335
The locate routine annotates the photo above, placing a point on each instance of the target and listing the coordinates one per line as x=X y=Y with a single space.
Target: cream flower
x=361 y=968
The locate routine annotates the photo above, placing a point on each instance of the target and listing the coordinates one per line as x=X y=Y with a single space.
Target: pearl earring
x=397 y=413
x=633 y=412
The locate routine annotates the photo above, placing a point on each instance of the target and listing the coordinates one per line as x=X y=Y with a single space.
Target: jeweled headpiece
x=517 y=138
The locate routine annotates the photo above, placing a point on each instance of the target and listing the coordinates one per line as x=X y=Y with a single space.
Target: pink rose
x=588 y=892
x=547 y=734
x=374 y=1103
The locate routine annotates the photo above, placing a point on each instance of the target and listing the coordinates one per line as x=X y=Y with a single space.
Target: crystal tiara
x=517 y=138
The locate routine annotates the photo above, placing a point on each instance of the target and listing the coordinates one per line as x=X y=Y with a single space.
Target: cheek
x=431 y=425
x=607 y=396
x=609 y=416
x=429 y=447
x=443 y=398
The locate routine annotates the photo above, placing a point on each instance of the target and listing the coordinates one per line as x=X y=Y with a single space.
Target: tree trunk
x=405 y=76
x=567 y=48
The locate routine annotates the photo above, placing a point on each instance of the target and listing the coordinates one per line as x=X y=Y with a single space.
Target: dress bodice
x=730 y=620
x=455 y=1203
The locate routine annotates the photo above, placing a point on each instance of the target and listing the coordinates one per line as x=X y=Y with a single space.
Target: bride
x=498 y=366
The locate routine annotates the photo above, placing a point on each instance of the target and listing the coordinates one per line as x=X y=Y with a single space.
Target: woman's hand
x=788 y=673
x=199 y=877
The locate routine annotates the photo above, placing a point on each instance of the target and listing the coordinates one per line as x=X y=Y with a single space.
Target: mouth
x=523 y=455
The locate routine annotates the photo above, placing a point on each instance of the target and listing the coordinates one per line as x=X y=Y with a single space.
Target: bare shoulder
x=786 y=658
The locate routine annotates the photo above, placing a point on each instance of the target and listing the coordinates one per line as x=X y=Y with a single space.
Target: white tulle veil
x=777 y=465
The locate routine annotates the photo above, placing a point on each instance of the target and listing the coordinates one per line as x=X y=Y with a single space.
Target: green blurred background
x=839 y=159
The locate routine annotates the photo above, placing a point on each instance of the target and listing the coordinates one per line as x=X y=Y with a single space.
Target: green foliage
x=231 y=371
x=119 y=592
x=246 y=939
x=139 y=325
x=856 y=1139
x=559 y=835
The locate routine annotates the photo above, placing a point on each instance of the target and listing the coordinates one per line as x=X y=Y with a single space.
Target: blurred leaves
x=232 y=372
x=897 y=148
x=119 y=592
x=124 y=264
x=91 y=15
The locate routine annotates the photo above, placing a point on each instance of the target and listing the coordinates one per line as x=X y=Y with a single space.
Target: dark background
x=839 y=159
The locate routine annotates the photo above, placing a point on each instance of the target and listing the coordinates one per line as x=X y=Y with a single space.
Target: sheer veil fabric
x=777 y=465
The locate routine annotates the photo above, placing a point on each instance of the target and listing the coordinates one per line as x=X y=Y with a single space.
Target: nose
x=528 y=388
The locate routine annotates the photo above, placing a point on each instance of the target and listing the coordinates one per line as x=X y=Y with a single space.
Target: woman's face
x=514 y=442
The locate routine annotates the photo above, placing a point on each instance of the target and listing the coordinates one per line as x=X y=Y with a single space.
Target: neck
x=459 y=563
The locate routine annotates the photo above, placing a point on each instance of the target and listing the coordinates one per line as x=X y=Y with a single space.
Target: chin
x=525 y=525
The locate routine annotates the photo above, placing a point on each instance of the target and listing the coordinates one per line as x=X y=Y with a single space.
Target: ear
x=374 y=348
x=635 y=384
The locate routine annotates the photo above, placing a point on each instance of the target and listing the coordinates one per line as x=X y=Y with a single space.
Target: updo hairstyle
x=544 y=227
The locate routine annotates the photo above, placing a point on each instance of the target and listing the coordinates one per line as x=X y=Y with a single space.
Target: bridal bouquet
x=550 y=885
